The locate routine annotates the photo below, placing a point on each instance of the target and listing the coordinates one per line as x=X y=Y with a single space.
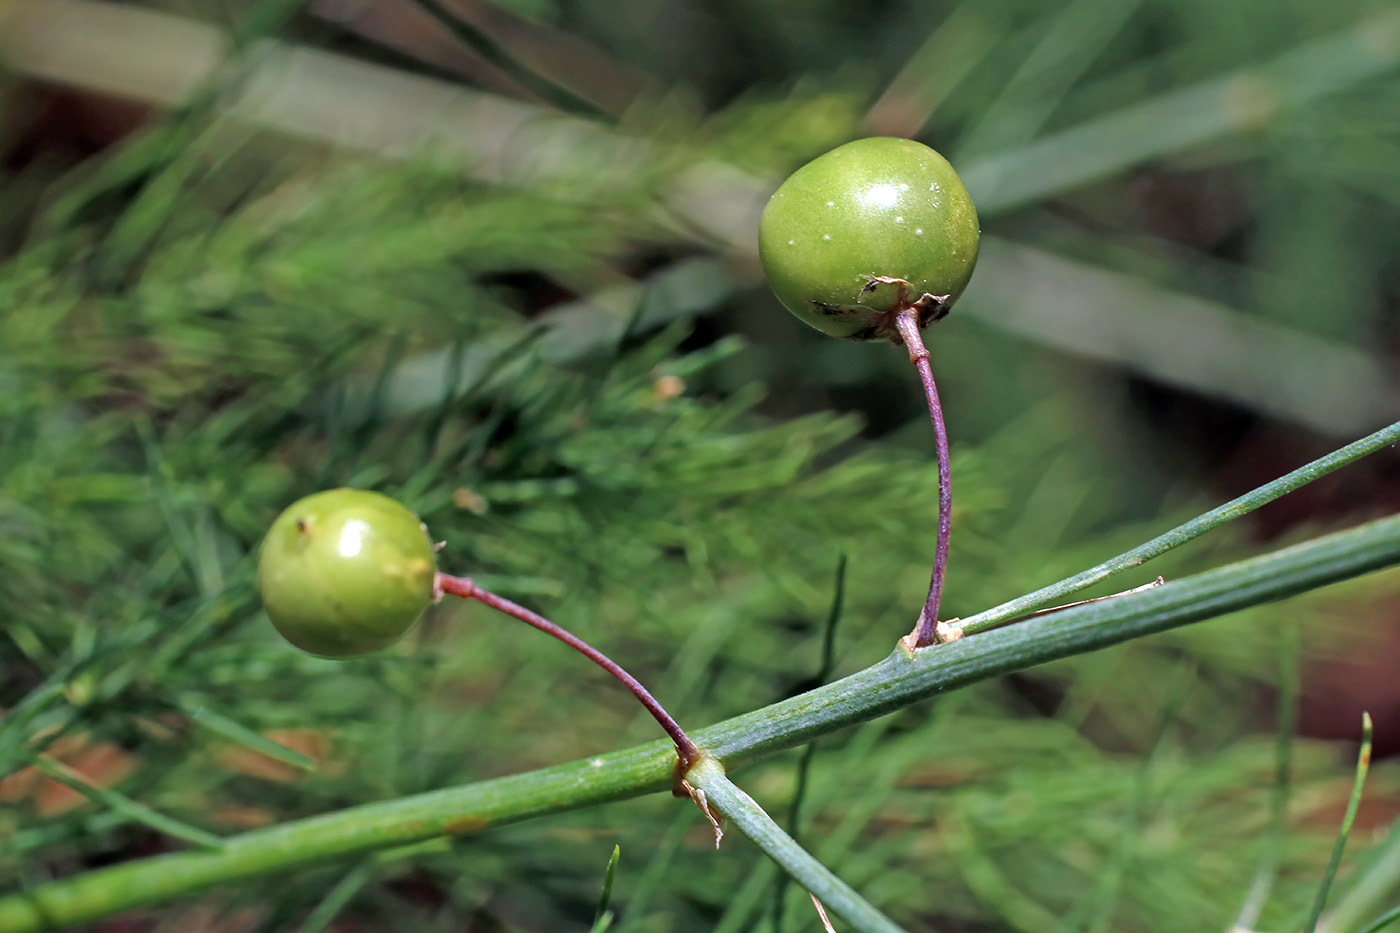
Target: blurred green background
x=498 y=260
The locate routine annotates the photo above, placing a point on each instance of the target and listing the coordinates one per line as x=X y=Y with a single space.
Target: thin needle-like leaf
x=1285 y=724
x=745 y=813
x=1185 y=532
x=120 y=803
x=1363 y=765
x=235 y=731
x=1383 y=921
x=603 y=917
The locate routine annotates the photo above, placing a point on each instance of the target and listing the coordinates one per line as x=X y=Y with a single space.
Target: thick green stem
x=744 y=812
x=1010 y=611
x=898 y=681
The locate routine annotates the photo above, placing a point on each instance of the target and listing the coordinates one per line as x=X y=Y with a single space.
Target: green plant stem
x=1363 y=765
x=1235 y=508
x=897 y=681
x=707 y=776
x=1383 y=921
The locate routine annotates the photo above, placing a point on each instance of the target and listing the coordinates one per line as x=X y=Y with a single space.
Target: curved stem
x=925 y=633
x=465 y=588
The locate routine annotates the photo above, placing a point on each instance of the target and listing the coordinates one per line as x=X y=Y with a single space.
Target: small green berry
x=868 y=229
x=346 y=572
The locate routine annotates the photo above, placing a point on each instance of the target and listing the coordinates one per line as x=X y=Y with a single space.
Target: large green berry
x=866 y=229
x=346 y=572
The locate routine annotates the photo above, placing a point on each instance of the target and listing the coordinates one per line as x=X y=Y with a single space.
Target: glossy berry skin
x=346 y=572
x=839 y=234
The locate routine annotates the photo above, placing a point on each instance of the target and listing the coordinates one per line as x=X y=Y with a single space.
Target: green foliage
x=208 y=321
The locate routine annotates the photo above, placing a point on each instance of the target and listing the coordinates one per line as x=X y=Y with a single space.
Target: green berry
x=866 y=230
x=346 y=572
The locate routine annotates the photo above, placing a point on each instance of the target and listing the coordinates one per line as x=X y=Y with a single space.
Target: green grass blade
x=1285 y=725
x=336 y=899
x=1383 y=921
x=235 y=731
x=1369 y=887
x=1363 y=765
x=13 y=735
x=124 y=805
x=1184 y=117
x=603 y=918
